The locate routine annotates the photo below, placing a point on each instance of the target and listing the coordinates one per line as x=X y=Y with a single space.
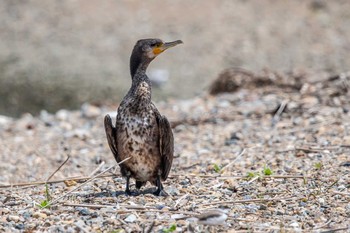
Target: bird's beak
x=165 y=46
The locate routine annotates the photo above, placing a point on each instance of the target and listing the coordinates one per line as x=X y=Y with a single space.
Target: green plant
x=267 y=171
x=318 y=165
x=172 y=228
x=251 y=175
x=305 y=180
x=45 y=203
x=217 y=168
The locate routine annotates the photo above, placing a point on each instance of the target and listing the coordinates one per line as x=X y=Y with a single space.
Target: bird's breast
x=138 y=138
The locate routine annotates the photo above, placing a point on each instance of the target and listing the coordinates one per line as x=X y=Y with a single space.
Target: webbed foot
x=160 y=193
x=131 y=193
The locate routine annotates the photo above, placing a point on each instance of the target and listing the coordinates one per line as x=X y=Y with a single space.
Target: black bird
x=141 y=132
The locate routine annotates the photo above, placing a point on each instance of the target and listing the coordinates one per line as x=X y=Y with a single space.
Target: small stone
x=278 y=212
x=46 y=117
x=3 y=220
x=25 y=214
x=177 y=216
x=321 y=201
x=39 y=215
x=131 y=218
x=252 y=207
x=160 y=207
x=173 y=191
x=56 y=218
x=309 y=101
x=4 y=120
x=62 y=115
x=19 y=226
x=212 y=217
x=263 y=207
x=83 y=211
x=340 y=210
x=345 y=164
x=81 y=224
x=14 y=218
x=4 y=211
x=185 y=181
x=94 y=215
x=302 y=204
x=90 y=111
x=294 y=224
x=346 y=140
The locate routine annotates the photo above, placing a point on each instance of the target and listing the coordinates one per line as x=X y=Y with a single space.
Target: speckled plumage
x=141 y=132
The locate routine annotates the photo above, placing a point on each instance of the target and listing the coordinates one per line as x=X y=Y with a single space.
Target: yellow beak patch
x=157 y=50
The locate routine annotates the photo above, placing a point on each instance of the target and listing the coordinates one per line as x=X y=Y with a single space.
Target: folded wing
x=166 y=144
x=111 y=133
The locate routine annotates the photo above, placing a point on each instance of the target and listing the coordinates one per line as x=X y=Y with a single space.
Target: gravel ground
x=274 y=158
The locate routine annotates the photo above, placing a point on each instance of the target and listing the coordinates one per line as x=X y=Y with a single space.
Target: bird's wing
x=166 y=140
x=111 y=133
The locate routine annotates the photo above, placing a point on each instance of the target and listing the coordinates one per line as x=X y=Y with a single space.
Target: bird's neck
x=141 y=87
x=138 y=63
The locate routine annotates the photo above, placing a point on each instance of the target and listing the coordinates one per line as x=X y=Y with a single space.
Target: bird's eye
x=154 y=45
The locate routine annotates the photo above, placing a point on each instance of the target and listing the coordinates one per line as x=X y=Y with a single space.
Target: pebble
x=294 y=224
x=131 y=218
x=90 y=111
x=30 y=225
x=185 y=181
x=4 y=120
x=4 y=211
x=302 y=204
x=278 y=212
x=160 y=207
x=346 y=140
x=81 y=224
x=3 y=220
x=25 y=214
x=19 y=226
x=39 y=215
x=14 y=218
x=47 y=118
x=252 y=207
x=173 y=191
x=62 y=115
x=177 y=216
x=83 y=211
x=321 y=201
x=309 y=101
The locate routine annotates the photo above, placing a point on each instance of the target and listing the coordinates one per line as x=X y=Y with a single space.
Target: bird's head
x=146 y=50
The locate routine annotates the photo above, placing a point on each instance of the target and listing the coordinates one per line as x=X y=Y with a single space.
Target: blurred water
x=59 y=54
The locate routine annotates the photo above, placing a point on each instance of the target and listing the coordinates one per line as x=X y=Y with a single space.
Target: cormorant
x=141 y=132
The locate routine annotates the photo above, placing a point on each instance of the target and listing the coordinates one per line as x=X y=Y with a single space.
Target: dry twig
x=64 y=162
x=79 y=186
x=230 y=164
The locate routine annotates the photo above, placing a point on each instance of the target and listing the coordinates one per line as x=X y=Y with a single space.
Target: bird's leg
x=127 y=188
x=160 y=190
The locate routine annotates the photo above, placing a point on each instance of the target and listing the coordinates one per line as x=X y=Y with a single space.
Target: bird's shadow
x=109 y=193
